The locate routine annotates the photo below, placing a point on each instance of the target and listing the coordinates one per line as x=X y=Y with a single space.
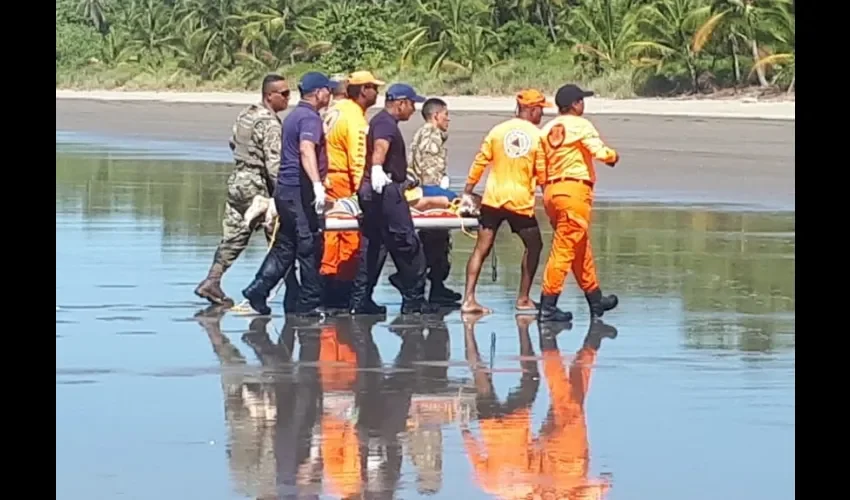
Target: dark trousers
x=437 y=246
x=388 y=228
x=297 y=240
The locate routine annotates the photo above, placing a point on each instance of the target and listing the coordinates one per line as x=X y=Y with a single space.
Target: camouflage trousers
x=242 y=187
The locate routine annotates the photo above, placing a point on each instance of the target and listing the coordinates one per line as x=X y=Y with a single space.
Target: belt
x=568 y=179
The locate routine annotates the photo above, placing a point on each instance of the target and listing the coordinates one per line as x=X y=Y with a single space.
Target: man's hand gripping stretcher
x=465 y=205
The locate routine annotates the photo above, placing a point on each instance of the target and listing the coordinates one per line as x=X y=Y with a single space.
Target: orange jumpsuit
x=340 y=444
x=512 y=148
x=345 y=136
x=562 y=454
x=570 y=144
x=557 y=463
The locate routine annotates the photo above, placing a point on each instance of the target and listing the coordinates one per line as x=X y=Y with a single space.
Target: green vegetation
x=620 y=48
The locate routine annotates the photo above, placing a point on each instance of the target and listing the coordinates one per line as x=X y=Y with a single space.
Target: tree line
x=656 y=47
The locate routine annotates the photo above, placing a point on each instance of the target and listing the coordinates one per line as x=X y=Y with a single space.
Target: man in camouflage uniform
x=255 y=144
x=428 y=168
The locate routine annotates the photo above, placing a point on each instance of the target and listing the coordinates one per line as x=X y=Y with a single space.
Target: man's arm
x=269 y=135
x=379 y=151
x=310 y=135
x=591 y=140
x=356 y=150
x=479 y=164
x=540 y=163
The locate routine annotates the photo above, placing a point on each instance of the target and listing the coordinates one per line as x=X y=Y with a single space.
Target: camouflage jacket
x=255 y=143
x=427 y=157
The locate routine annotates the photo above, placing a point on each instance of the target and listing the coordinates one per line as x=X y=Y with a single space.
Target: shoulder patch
x=516 y=143
x=330 y=119
x=556 y=135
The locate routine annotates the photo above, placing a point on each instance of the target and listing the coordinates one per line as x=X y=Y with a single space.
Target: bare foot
x=526 y=305
x=473 y=307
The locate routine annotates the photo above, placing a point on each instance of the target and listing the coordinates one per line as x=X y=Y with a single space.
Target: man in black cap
x=299 y=198
x=570 y=144
x=387 y=224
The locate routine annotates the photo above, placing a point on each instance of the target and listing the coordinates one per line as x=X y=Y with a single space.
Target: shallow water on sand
x=694 y=398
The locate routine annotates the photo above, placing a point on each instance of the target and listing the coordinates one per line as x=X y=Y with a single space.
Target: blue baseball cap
x=398 y=91
x=314 y=80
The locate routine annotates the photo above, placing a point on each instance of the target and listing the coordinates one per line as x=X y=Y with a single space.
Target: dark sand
x=664 y=159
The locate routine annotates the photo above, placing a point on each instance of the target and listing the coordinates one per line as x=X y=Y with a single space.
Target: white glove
x=319 y=195
x=444 y=182
x=380 y=179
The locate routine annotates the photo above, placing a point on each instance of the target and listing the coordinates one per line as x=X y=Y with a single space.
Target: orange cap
x=532 y=97
x=363 y=78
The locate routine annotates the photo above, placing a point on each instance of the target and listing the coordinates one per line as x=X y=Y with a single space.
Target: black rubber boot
x=599 y=330
x=257 y=292
x=549 y=335
x=439 y=294
x=549 y=312
x=367 y=308
x=418 y=307
x=599 y=303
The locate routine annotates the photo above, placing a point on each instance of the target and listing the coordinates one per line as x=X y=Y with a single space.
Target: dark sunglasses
x=283 y=93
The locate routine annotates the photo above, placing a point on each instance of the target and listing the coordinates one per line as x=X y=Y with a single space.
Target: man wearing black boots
x=298 y=206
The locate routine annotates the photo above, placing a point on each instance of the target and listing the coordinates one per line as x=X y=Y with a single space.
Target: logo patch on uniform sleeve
x=556 y=135
x=516 y=143
x=330 y=119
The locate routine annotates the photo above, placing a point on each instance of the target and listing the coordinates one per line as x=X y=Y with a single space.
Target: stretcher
x=341 y=215
x=433 y=220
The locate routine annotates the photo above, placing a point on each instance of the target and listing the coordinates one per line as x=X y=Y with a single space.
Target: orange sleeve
x=591 y=140
x=356 y=149
x=473 y=451
x=540 y=163
x=481 y=161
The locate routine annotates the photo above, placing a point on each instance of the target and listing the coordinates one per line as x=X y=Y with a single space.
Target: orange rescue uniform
x=570 y=144
x=345 y=136
x=512 y=149
x=340 y=444
x=558 y=461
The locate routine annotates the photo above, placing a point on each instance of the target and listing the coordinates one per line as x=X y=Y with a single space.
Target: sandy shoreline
x=665 y=159
x=723 y=108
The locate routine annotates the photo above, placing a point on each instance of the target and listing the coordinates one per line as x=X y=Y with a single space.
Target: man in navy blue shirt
x=387 y=224
x=299 y=197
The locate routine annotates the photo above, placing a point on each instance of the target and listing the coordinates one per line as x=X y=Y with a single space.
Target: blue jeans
x=438 y=191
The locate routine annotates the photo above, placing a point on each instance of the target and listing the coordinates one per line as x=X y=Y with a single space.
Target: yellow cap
x=363 y=78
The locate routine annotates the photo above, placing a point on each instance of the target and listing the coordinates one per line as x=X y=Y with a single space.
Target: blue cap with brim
x=314 y=81
x=400 y=91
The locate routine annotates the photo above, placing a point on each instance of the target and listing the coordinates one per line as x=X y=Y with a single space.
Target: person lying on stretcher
x=422 y=198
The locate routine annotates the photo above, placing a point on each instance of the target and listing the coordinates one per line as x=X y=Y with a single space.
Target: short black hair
x=353 y=91
x=269 y=80
x=432 y=106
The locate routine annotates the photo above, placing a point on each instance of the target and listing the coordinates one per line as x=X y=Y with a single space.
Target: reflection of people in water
x=346 y=345
x=558 y=460
x=249 y=405
x=426 y=417
x=504 y=452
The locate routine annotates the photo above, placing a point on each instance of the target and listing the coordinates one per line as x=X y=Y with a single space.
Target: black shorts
x=491 y=218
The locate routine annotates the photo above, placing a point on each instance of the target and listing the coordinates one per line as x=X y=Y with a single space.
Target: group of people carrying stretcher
x=329 y=154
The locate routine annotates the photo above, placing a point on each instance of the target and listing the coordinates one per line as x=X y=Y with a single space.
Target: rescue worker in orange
x=501 y=459
x=570 y=144
x=346 y=345
x=345 y=136
x=512 y=150
x=562 y=451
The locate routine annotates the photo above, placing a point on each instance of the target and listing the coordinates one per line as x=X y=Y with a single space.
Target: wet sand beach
x=664 y=159
x=693 y=397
